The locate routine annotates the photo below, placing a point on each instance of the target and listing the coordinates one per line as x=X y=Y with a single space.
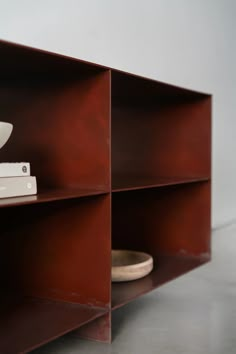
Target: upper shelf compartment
x=60 y=110
x=160 y=133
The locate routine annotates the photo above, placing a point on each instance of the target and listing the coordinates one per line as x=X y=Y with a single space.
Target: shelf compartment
x=158 y=130
x=128 y=183
x=61 y=120
x=27 y=323
x=172 y=223
x=166 y=269
x=50 y=196
x=169 y=220
x=58 y=250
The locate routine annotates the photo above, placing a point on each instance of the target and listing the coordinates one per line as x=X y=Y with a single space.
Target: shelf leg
x=97 y=330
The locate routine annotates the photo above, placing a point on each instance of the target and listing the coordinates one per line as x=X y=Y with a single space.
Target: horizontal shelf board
x=27 y=323
x=167 y=268
x=134 y=183
x=50 y=196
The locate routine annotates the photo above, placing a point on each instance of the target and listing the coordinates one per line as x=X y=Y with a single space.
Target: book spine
x=17 y=186
x=15 y=169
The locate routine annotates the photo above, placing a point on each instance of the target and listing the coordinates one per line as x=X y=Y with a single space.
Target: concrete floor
x=195 y=314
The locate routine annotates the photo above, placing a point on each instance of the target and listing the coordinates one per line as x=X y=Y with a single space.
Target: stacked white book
x=15 y=180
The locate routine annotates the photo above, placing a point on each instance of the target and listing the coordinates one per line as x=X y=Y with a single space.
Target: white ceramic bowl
x=130 y=265
x=5 y=132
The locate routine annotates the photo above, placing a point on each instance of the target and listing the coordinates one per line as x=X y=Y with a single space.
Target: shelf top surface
x=18 y=57
x=121 y=184
x=50 y=196
x=27 y=323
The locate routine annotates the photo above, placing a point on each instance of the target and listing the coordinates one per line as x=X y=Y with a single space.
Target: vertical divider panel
x=100 y=329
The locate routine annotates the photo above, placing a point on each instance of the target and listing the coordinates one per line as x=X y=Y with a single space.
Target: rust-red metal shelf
x=50 y=196
x=81 y=125
x=126 y=183
x=166 y=268
x=27 y=323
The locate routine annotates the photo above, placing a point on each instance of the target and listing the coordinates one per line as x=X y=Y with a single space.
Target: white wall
x=185 y=42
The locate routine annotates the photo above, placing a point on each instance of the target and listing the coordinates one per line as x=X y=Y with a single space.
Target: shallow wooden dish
x=130 y=265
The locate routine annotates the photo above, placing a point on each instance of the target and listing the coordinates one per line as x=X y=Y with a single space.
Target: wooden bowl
x=130 y=265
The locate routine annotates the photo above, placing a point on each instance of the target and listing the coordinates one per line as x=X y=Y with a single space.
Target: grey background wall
x=191 y=43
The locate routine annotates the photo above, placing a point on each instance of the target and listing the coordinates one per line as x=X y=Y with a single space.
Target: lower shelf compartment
x=166 y=268
x=27 y=323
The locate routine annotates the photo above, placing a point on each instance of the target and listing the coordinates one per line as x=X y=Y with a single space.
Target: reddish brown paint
x=105 y=145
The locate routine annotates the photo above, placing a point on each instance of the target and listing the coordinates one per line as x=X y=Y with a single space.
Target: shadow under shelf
x=126 y=183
